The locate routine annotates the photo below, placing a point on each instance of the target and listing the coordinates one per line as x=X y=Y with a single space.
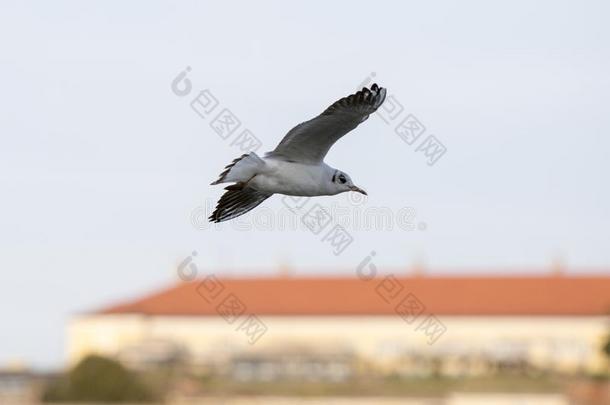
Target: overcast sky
x=104 y=169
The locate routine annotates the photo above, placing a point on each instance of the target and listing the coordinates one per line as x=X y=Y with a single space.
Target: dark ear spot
x=334 y=175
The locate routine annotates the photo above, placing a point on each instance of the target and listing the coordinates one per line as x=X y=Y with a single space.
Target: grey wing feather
x=237 y=201
x=311 y=140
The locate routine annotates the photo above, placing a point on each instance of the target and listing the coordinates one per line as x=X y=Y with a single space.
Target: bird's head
x=342 y=183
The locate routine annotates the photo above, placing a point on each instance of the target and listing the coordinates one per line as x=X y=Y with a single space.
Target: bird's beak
x=358 y=190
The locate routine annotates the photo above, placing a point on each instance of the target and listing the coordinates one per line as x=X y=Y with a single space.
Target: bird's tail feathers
x=241 y=169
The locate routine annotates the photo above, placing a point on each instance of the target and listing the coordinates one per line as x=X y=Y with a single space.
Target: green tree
x=606 y=350
x=98 y=379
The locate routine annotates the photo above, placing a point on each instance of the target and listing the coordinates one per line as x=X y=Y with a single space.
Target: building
x=18 y=385
x=330 y=328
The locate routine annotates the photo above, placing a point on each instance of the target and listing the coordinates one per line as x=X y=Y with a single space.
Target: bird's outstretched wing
x=309 y=141
x=237 y=201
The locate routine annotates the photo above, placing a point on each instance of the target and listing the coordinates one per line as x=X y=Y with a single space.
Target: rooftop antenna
x=284 y=269
x=558 y=264
x=418 y=266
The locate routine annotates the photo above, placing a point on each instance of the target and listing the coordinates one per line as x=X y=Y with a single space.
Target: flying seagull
x=296 y=166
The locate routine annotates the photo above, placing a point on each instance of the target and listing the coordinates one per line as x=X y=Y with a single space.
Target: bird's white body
x=292 y=178
x=296 y=166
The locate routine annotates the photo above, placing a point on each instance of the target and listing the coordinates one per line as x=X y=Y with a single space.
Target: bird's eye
x=342 y=179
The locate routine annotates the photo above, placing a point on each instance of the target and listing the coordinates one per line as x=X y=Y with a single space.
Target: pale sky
x=102 y=165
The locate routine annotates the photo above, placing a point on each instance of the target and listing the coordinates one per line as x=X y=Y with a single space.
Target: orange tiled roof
x=544 y=295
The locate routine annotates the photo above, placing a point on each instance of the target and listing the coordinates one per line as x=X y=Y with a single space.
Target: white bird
x=296 y=166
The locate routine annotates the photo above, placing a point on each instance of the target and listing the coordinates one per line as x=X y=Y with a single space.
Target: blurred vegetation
x=394 y=385
x=606 y=352
x=606 y=347
x=98 y=379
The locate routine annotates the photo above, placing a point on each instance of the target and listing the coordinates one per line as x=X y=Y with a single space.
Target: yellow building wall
x=562 y=343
